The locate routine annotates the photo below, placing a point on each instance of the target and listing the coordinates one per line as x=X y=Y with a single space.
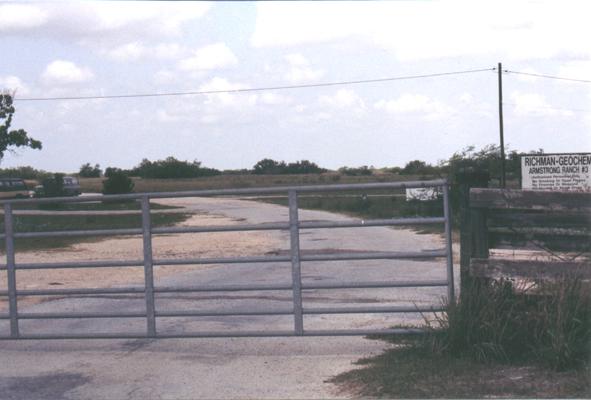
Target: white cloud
x=213 y=56
x=97 y=21
x=236 y=106
x=297 y=60
x=166 y=116
x=285 y=23
x=136 y=50
x=416 y=104
x=60 y=72
x=300 y=69
x=300 y=108
x=127 y=52
x=343 y=99
x=17 y=17
x=13 y=83
x=534 y=104
x=580 y=69
x=527 y=78
x=466 y=98
x=164 y=77
x=474 y=106
x=273 y=99
x=427 y=30
x=168 y=50
x=164 y=18
x=210 y=119
x=222 y=99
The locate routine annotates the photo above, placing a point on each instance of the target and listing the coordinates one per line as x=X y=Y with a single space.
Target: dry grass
x=242 y=181
x=408 y=372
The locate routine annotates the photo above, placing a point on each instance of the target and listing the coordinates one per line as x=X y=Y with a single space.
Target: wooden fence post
x=469 y=222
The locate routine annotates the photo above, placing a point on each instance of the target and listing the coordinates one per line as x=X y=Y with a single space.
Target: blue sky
x=55 y=49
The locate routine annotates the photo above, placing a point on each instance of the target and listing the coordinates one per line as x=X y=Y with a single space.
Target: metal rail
x=295 y=258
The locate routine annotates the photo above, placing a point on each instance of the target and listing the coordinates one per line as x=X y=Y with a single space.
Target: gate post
x=467 y=179
x=10 y=270
x=148 y=267
x=451 y=297
x=296 y=274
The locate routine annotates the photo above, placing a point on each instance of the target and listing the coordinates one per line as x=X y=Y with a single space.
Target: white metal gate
x=296 y=258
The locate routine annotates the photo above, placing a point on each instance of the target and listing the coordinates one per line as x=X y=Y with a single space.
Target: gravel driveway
x=226 y=368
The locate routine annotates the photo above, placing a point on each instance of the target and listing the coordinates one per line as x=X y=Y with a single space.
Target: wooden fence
x=556 y=224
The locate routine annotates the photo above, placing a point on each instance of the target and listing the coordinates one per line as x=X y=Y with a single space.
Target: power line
x=562 y=78
x=258 y=89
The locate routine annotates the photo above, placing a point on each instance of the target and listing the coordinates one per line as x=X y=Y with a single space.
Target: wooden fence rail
x=558 y=223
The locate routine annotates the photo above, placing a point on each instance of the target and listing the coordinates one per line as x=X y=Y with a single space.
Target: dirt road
x=221 y=368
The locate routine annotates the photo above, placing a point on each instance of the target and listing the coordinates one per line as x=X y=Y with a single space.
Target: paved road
x=226 y=368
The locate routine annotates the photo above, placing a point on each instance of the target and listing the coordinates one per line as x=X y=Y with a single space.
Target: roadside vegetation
x=496 y=341
x=380 y=205
x=171 y=174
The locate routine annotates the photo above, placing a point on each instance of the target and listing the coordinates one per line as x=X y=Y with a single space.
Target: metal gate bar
x=296 y=286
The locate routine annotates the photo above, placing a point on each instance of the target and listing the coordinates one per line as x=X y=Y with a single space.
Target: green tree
x=268 y=166
x=24 y=172
x=418 y=167
x=12 y=138
x=171 y=168
x=88 y=171
x=303 y=167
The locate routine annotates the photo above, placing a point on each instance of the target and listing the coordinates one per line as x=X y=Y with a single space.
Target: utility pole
x=500 y=72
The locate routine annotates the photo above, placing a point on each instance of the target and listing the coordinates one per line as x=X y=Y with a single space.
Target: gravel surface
x=222 y=368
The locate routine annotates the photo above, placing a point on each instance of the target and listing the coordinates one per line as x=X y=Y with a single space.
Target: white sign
x=422 y=194
x=558 y=172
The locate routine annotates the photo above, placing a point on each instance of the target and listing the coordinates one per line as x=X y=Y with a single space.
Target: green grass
x=376 y=205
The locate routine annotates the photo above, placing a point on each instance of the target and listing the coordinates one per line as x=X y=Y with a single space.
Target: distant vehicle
x=11 y=188
x=38 y=191
x=70 y=187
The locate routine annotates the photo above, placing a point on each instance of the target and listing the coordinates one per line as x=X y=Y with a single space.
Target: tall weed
x=495 y=321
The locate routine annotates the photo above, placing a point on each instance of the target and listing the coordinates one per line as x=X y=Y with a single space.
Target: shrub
x=117 y=182
x=53 y=186
x=361 y=171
